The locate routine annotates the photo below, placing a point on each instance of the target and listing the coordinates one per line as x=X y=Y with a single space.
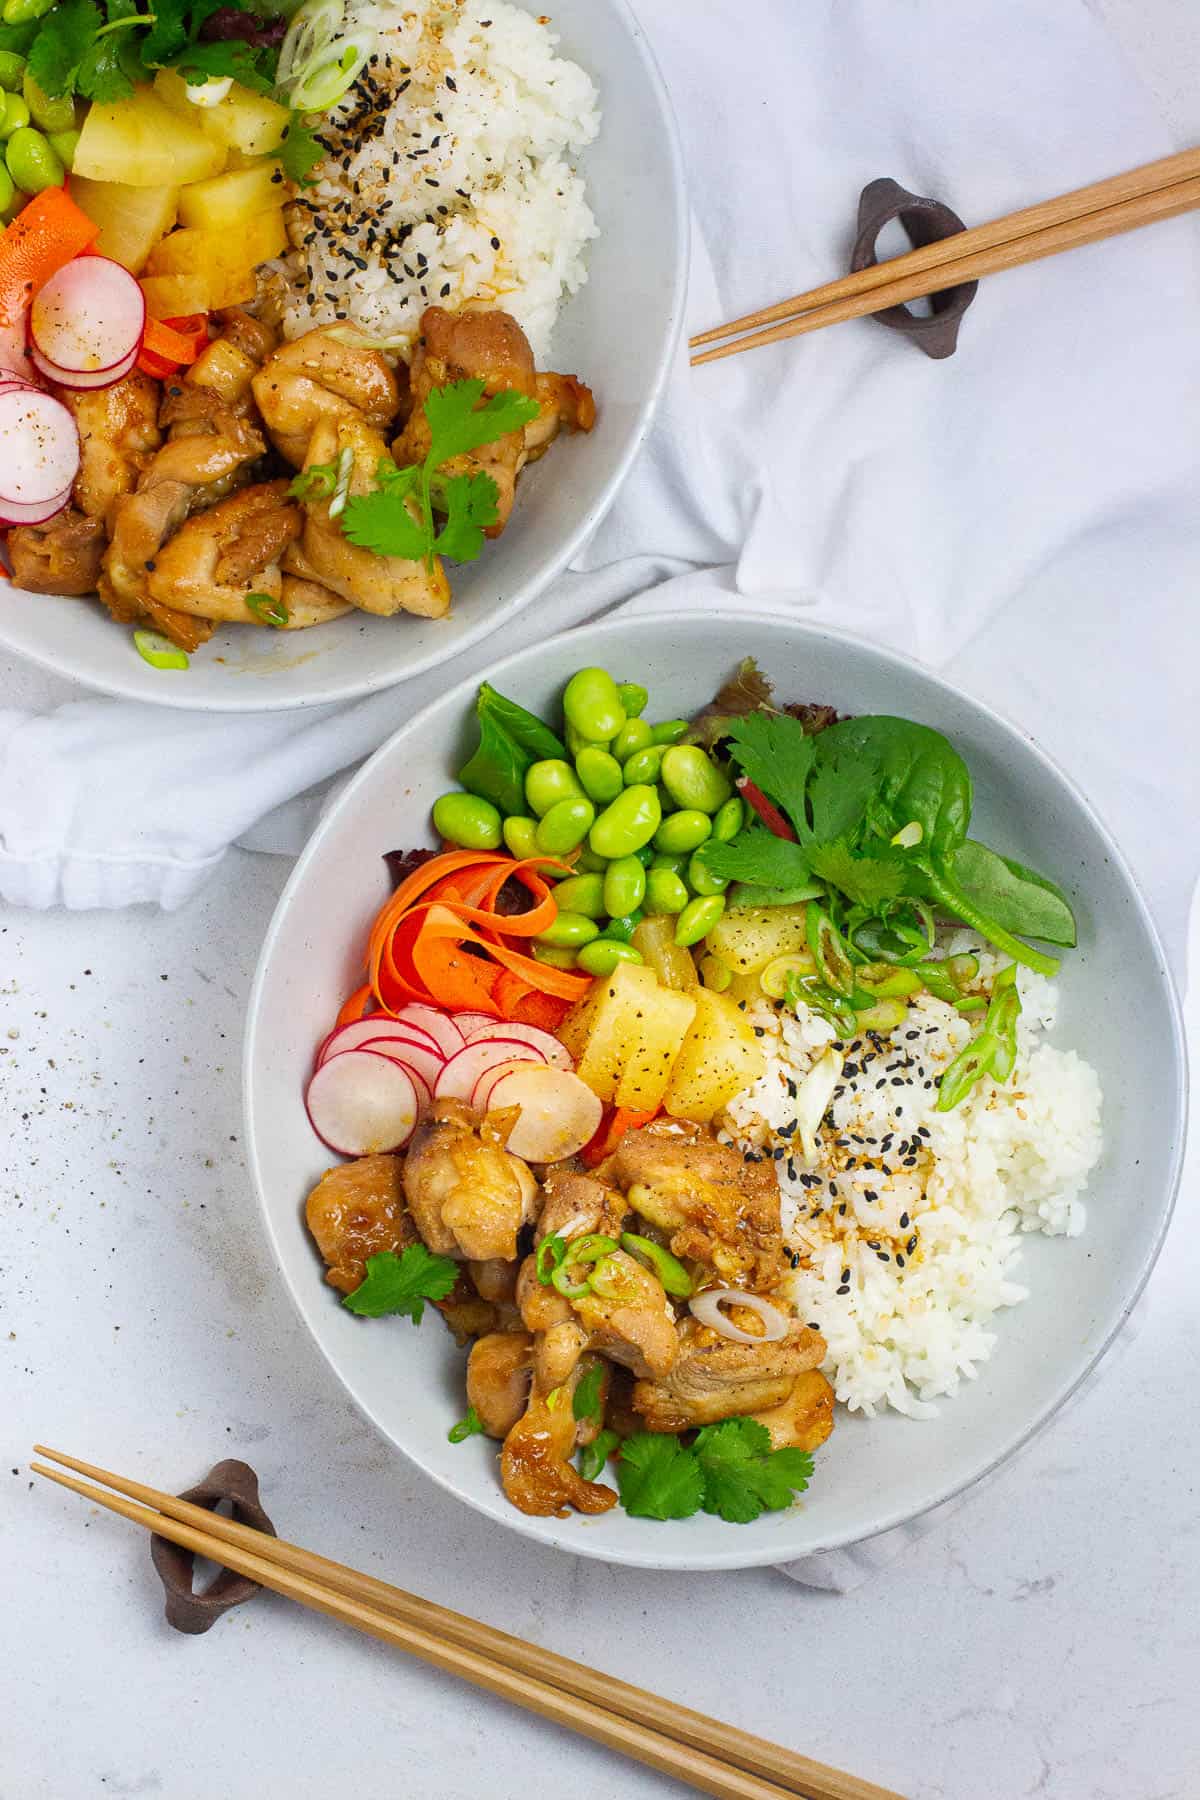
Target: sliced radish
x=32 y=515
x=80 y=378
x=439 y=1026
x=457 y=1080
x=39 y=449
x=471 y=1022
x=427 y=1063
x=482 y=1094
x=555 y=1053
x=88 y=317
x=559 y=1113
x=360 y=1103
x=375 y=1027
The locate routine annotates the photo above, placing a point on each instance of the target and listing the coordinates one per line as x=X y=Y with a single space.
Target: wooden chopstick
x=714 y=1757
x=1166 y=172
x=1088 y=228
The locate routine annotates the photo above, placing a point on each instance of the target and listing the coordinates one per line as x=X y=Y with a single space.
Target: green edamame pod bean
x=12 y=71
x=31 y=161
x=665 y=892
x=602 y=956
x=698 y=918
x=13 y=114
x=623 y=929
x=588 y=863
x=582 y=894
x=701 y=879
x=467 y=820
x=729 y=820
x=592 y=705
x=669 y=731
x=631 y=821
x=641 y=769
x=7 y=192
x=645 y=855
x=600 y=774
x=568 y=931
x=520 y=836
x=633 y=697
x=64 y=145
x=676 y=864
x=624 y=886
x=634 y=735
x=565 y=826
x=22 y=12
x=575 y=741
x=548 y=782
x=692 y=778
x=551 y=954
x=50 y=113
x=683 y=832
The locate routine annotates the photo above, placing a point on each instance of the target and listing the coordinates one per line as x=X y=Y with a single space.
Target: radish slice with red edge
x=72 y=378
x=438 y=1025
x=457 y=1080
x=88 y=317
x=559 y=1113
x=360 y=1104
x=555 y=1053
x=32 y=515
x=427 y=1063
x=375 y=1028
x=471 y=1022
x=39 y=450
x=482 y=1095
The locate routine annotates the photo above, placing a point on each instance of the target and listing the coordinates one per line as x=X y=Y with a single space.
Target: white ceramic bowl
x=1117 y=1008
x=618 y=334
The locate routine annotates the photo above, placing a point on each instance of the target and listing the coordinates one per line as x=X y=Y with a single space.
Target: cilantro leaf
x=743 y=1476
x=300 y=151
x=234 y=57
x=168 y=35
x=383 y=523
x=777 y=754
x=658 y=1478
x=67 y=34
x=757 y=855
x=588 y=1399
x=469 y=502
x=402 y=1284
x=865 y=880
x=457 y=423
x=103 y=72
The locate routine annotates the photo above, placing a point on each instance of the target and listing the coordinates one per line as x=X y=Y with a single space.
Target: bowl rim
x=551 y=1533
x=493 y=620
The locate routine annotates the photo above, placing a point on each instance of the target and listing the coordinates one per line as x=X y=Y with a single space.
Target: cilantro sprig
x=730 y=1470
x=101 y=49
x=398 y=518
x=402 y=1284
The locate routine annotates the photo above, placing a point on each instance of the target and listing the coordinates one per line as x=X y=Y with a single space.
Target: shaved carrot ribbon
x=169 y=344
x=42 y=239
x=612 y=1129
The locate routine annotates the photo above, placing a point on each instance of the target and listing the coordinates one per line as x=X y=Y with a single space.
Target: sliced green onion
x=341 y=486
x=993 y=1052
x=159 y=651
x=884 y=1016
x=829 y=951
x=267 y=609
x=550 y=1253
x=940 y=984
x=670 y=1271
x=808 y=991
x=883 y=982
x=555 y=1398
x=612 y=1282
x=587 y=1402
x=966 y=1069
x=312 y=30
x=322 y=84
x=593 y=1456
x=591 y=1248
x=569 y=1289
x=909 y=836
x=962 y=969
x=972 y=1003
x=470 y=1426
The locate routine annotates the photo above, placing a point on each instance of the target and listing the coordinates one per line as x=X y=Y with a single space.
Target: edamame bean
x=631 y=821
x=13 y=114
x=683 y=832
x=701 y=879
x=692 y=778
x=592 y=705
x=669 y=731
x=633 y=697
x=600 y=774
x=588 y=863
x=582 y=894
x=645 y=855
x=624 y=886
x=665 y=892
x=31 y=161
x=602 y=956
x=729 y=821
x=623 y=928
x=676 y=864
x=467 y=820
x=64 y=145
x=548 y=782
x=642 y=767
x=12 y=70
x=565 y=826
x=634 y=735
x=698 y=918
x=22 y=12
x=575 y=741
x=551 y=954
x=568 y=931
x=50 y=113
x=520 y=836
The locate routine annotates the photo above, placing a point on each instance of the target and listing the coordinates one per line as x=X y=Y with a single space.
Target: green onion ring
x=670 y=1271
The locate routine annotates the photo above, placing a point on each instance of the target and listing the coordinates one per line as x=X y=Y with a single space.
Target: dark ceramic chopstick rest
x=926 y=222
x=187 y=1610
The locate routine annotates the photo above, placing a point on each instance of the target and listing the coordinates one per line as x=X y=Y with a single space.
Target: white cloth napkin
x=1020 y=515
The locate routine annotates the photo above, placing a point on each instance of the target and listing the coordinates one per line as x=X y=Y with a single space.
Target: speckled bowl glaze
x=618 y=333
x=873 y=1473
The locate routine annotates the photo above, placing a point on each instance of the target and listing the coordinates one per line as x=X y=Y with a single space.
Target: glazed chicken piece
x=63 y=556
x=714 y=1378
x=805 y=1419
x=118 y=434
x=717 y=1208
x=566 y=405
x=378 y=584
x=468 y=1194
x=355 y=1211
x=232 y=549
x=535 y=1466
x=316 y=379
x=499 y=1371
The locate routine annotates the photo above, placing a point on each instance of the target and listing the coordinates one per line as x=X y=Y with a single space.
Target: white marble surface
x=1046 y=1641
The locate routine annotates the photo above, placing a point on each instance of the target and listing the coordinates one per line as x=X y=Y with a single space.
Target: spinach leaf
x=1013 y=895
x=510 y=741
x=918 y=775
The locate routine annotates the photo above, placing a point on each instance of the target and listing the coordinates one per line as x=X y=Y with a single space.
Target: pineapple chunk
x=177 y=296
x=624 y=1000
x=142 y=143
x=650 y=1055
x=226 y=202
x=250 y=123
x=720 y=1057
x=747 y=937
x=131 y=219
x=219 y=254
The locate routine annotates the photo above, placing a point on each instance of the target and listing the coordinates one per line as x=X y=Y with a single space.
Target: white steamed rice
x=906 y=1227
x=450 y=178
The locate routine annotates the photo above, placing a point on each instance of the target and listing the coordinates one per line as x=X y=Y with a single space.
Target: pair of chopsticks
x=708 y=1755
x=1087 y=215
